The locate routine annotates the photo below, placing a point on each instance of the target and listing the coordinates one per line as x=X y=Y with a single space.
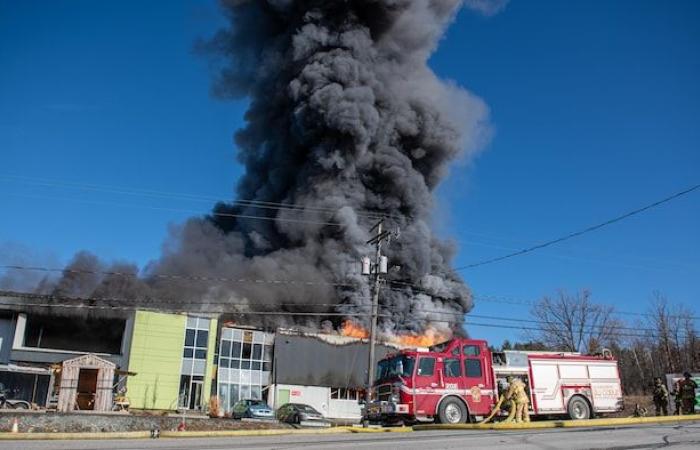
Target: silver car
x=301 y=414
x=252 y=409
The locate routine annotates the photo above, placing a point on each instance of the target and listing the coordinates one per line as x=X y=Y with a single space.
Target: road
x=686 y=436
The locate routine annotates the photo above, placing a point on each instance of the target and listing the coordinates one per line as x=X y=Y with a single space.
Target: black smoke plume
x=347 y=123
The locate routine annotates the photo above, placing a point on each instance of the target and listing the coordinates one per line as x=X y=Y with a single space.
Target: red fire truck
x=461 y=380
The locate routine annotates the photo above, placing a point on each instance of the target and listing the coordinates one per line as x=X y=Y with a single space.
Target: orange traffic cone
x=15 y=426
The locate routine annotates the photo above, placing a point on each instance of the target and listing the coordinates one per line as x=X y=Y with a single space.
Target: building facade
x=36 y=340
x=244 y=365
x=178 y=361
x=172 y=358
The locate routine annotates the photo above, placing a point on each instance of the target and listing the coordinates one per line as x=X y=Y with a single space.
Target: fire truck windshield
x=392 y=367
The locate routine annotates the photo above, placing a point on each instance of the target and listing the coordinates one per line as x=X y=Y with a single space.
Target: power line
x=487 y=298
x=580 y=232
x=521 y=302
x=146 y=308
x=260 y=204
x=614 y=331
x=171 y=276
x=179 y=304
x=181 y=210
x=513 y=301
x=297 y=313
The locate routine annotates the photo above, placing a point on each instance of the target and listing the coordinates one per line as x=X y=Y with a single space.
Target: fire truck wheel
x=579 y=408
x=452 y=411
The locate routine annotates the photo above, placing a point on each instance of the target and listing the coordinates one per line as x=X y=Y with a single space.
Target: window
x=190 y=392
x=196 y=338
x=249 y=358
x=396 y=366
x=345 y=394
x=471 y=350
x=426 y=366
x=225 y=349
x=189 y=338
x=202 y=338
x=194 y=355
x=472 y=368
x=452 y=367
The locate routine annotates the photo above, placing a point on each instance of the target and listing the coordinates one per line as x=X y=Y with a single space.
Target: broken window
x=74 y=334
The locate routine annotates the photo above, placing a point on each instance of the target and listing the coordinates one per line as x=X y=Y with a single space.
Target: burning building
x=347 y=124
x=37 y=335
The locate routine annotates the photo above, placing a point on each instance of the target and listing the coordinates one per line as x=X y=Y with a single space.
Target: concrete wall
x=156 y=357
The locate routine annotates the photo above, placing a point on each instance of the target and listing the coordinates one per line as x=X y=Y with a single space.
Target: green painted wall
x=156 y=357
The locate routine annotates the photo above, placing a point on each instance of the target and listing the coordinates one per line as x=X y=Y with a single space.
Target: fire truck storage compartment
x=557 y=381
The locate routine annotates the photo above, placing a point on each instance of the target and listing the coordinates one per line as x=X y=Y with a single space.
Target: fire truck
x=461 y=380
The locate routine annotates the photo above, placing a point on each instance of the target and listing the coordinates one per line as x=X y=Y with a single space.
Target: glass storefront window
x=249 y=356
x=193 y=365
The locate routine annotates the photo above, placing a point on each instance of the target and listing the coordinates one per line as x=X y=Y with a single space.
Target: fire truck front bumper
x=379 y=410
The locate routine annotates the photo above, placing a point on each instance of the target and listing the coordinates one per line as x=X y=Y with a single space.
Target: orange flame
x=430 y=337
x=353 y=329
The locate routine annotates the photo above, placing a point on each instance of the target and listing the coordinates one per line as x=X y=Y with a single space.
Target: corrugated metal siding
x=307 y=361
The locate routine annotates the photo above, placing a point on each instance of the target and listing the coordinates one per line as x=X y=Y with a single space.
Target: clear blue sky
x=595 y=107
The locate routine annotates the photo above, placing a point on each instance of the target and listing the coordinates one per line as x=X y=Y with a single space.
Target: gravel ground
x=31 y=422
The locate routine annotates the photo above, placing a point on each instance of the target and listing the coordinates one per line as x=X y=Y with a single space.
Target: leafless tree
x=674 y=334
x=574 y=323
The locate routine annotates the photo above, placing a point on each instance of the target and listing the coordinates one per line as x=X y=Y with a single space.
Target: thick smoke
x=348 y=123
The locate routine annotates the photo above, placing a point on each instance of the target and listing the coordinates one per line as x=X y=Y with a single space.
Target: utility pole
x=380 y=267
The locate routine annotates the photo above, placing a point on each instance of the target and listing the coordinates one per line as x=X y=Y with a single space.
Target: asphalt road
x=686 y=436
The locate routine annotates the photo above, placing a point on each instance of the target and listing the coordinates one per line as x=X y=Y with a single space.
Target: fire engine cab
x=461 y=380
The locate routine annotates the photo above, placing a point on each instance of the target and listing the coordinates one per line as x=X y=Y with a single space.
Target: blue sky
x=595 y=108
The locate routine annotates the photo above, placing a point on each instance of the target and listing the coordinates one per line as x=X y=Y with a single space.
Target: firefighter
x=660 y=395
x=517 y=393
x=677 y=397
x=687 y=392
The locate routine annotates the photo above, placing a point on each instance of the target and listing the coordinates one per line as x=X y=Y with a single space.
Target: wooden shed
x=86 y=384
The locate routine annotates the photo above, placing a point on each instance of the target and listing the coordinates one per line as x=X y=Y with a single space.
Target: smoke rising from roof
x=345 y=118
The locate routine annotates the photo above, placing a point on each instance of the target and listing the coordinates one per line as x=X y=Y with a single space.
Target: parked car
x=252 y=409
x=301 y=414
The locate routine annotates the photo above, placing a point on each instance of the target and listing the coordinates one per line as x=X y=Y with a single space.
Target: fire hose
x=497 y=408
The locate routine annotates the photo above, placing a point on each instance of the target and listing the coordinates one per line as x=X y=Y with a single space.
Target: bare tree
x=574 y=323
x=674 y=336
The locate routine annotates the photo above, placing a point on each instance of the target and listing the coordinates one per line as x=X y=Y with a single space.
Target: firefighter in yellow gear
x=660 y=397
x=518 y=393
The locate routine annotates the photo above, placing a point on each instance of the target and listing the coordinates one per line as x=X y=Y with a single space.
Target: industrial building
x=35 y=342
x=174 y=361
